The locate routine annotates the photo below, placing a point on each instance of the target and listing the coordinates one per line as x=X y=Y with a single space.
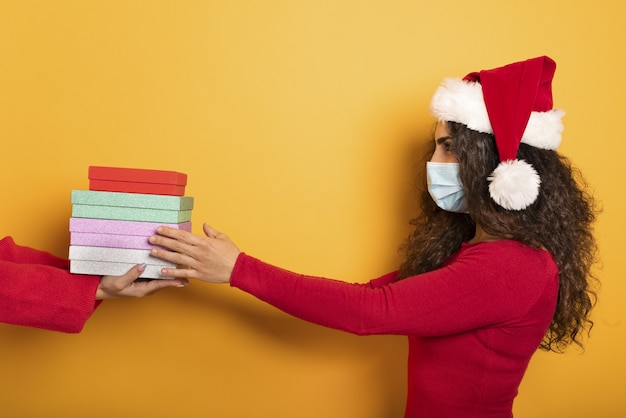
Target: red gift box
x=136 y=180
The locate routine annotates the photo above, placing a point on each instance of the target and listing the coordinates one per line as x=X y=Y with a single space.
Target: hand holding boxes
x=112 y=221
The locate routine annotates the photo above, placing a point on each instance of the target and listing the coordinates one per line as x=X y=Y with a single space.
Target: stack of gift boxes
x=112 y=221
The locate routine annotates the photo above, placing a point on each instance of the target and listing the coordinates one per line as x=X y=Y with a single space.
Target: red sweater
x=473 y=324
x=37 y=290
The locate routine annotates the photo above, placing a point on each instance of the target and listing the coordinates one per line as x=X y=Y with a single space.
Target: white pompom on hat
x=514 y=103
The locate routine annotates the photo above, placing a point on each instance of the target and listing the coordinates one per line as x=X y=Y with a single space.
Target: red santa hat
x=514 y=103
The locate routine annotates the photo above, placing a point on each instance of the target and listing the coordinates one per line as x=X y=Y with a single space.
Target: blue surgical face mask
x=444 y=186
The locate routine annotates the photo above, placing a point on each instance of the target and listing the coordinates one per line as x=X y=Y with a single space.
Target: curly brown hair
x=560 y=220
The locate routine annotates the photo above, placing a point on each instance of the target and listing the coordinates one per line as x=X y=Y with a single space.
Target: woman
x=37 y=289
x=498 y=265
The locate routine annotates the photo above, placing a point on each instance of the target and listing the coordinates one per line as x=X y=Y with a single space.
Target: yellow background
x=298 y=123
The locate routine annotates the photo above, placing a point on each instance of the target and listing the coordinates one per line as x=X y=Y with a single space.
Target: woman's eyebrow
x=442 y=139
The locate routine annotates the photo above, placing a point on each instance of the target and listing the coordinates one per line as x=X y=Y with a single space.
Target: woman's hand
x=210 y=258
x=125 y=286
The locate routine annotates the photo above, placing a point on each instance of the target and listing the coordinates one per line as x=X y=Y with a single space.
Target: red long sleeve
x=37 y=290
x=473 y=324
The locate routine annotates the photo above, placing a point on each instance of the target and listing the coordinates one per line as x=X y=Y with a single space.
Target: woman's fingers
x=175 y=240
x=208 y=258
x=171 y=256
x=209 y=232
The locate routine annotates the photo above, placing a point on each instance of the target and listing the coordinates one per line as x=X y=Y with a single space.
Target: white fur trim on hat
x=544 y=129
x=462 y=101
x=514 y=185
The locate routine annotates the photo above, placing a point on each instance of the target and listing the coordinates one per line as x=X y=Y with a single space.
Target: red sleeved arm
x=37 y=290
x=479 y=288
